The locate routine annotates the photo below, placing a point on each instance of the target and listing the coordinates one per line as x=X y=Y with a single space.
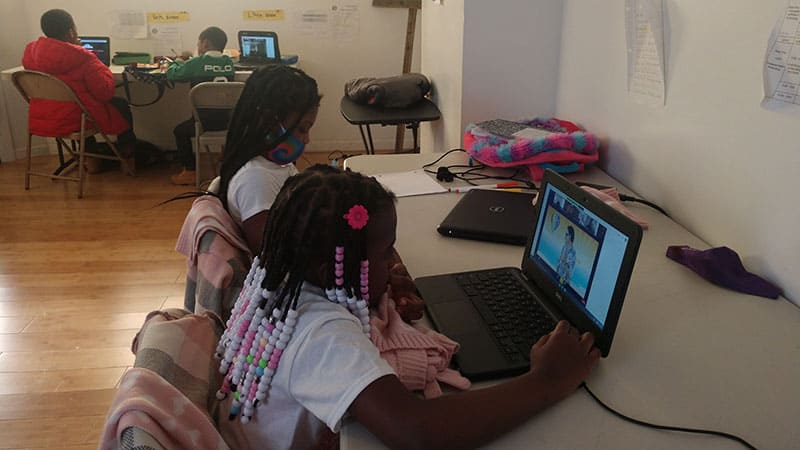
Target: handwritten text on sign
x=168 y=17
x=263 y=14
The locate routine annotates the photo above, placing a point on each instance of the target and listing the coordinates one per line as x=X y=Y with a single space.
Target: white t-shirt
x=254 y=187
x=327 y=363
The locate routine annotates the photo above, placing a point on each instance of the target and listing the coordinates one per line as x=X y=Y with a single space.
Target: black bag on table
x=146 y=76
x=392 y=92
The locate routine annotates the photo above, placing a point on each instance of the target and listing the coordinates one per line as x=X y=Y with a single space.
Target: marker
x=503 y=186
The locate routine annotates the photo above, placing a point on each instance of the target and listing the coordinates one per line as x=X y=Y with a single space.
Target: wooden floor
x=77 y=278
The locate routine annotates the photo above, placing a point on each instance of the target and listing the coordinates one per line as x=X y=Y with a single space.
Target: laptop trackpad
x=459 y=317
x=462 y=323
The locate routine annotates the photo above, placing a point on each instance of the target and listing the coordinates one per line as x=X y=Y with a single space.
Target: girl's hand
x=404 y=292
x=564 y=358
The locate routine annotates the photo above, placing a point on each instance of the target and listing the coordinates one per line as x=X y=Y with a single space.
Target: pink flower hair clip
x=357 y=217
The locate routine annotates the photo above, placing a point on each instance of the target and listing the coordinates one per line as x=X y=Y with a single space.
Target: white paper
x=167 y=39
x=345 y=23
x=128 y=24
x=645 y=44
x=313 y=23
x=532 y=133
x=406 y=184
x=782 y=62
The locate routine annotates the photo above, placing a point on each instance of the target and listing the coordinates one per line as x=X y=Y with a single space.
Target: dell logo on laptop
x=496 y=209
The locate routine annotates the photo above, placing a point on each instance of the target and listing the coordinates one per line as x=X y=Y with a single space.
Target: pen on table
x=503 y=186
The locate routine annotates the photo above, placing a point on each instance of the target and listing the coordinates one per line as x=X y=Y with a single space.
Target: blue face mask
x=288 y=150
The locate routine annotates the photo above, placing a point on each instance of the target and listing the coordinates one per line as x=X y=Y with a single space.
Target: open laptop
x=257 y=48
x=99 y=45
x=491 y=215
x=576 y=266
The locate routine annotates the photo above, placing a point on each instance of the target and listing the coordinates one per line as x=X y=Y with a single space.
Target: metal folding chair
x=39 y=85
x=211 y=95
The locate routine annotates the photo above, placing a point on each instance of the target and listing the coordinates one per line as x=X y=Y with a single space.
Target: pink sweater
x=419 y=355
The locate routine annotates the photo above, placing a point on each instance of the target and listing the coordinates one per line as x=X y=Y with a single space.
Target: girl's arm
x=253 y=230
x=560 y=361
x=403 y=290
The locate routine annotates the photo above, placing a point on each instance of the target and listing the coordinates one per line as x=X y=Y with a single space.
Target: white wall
x=11 y=121
x=721 y=165
x=376 y=50
x=442 y=59
x=511 y=52
x=489 y=60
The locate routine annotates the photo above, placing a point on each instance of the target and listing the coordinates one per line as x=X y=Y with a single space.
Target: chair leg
x=81 y=160
x=196 y=148
x=126 y=168
x=28 y=163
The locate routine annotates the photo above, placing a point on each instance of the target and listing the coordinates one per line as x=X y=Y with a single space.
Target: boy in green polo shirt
x=210 y=63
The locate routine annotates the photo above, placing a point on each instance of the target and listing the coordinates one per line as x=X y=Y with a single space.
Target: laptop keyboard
x=515 y=318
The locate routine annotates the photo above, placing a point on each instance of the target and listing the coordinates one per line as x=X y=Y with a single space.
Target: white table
x=153 y=123
x=686 y=352
x=5 y=75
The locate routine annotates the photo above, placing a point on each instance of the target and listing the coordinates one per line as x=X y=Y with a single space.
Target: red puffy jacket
x=91 y=80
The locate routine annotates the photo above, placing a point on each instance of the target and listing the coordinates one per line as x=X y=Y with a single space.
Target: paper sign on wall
x=168 y=16
x=128 y=24
x=263 y=14
x=644 y=25
x=782 y=62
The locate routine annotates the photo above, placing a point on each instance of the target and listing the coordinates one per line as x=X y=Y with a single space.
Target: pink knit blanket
x=217 y=257
x=419 y=355
x=147 y=401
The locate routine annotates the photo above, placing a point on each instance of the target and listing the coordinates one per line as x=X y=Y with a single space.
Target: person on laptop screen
x=209 y=64
x=60 y=54
x=256 y=48
x=298 y=355
x=566 y=262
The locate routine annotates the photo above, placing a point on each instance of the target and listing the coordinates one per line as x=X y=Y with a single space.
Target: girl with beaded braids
x=296 y=355
x=268 y=132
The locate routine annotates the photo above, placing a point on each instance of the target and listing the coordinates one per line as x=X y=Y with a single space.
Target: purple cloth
x=722 y=266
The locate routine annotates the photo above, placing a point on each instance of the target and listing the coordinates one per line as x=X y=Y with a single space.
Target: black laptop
x=257 y=48
x=99 y=45
x=576 y=266
x=491 y=215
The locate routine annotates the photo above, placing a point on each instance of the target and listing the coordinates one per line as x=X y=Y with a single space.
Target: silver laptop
x=576 y=266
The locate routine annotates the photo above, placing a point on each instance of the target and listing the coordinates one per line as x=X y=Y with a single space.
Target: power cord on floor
x=722 y=434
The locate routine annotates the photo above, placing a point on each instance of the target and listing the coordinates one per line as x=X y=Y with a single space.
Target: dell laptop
x=576 y=266
x=491 y=215
x=99 y=45
x=257 y=48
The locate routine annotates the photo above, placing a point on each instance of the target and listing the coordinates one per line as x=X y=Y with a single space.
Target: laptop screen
x=259 y=46
x=99 y=45
x=580 y=252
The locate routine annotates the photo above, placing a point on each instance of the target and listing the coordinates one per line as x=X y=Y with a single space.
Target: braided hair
x=310 y=223
x=269 y=96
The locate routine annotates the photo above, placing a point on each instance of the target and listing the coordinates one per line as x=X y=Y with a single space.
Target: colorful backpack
x=561 y=145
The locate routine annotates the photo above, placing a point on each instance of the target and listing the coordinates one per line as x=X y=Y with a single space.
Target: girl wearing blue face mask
x=268 y=132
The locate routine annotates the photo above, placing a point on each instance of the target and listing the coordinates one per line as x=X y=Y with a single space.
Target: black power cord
x=472 y=172
x=722 y=434
x=625 y=198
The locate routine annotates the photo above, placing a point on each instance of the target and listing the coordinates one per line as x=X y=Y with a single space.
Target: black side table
x=361 y=115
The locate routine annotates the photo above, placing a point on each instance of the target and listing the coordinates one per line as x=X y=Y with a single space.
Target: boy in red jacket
x=59 y=54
